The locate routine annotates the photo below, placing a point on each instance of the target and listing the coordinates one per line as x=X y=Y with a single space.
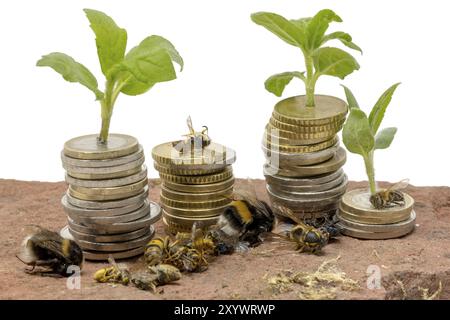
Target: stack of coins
x=107 y=204
x=197 y=185
x=304 y=158
x=358 y=219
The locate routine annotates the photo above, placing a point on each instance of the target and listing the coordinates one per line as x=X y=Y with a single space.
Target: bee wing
x=286 y=212
x=52 y=245
x=402 y=184
x=190 y=126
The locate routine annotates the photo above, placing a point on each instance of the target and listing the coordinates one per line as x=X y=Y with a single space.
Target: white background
x=227 y=58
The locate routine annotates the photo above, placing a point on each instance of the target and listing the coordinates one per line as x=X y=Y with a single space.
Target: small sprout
x=308 y=34
x=133 y=73
x=361 y=134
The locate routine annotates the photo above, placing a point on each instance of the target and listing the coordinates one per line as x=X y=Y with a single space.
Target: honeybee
x=114 y=273
x=329 y=224
x=194 y=139
x=156 y=276
x=47 y=249
x=244 y=220
x=390 y=197
x=200 y=242
x=306 y=237
x=165 y=251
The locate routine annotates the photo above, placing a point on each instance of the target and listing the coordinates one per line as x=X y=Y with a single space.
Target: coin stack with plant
x=304 y=158
x=373 y=213
x=196 y=180
x=107 y=204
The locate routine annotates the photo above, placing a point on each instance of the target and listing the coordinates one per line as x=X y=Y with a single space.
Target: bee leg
x=300 y=248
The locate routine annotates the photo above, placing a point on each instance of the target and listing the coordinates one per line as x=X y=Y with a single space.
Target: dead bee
x=194 y=140
x=305 y=237
x=45 y=248
x=246 y=219
x=156 y=276
x=166 y=251
x=390 y=197
x=114 y=273
x=327 y=223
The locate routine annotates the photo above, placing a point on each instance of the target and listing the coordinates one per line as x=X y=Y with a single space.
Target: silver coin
x=337 y=190
x=360 y=234
x=303 y=202
x=308 y=188
x=102 y=163
x=102 y=256
x=95 y=221
x=102 y=205
x=115 y=228
x=300 y=159
x=108 y=183
x=115 y=246
x=100 y=213
x=273 y=178
x=74 y=170
x=67 y=233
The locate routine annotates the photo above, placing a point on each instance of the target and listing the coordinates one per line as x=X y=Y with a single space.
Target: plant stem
x=310 y=81
x=368 y=161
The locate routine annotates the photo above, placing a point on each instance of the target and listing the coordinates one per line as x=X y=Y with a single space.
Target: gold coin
x=327 y=109
x=376 y=219
x=112 y=190
x=208 y=204
x=194 y=213
x=175 y=225
x=88 y=147
x=335 y=163
x=275 y=138
x=102 y=176
x=196 y=197
x=206 y=179
x=137 y=188
x=213 y=156
x=387 y=227
x=317 y=136
x=357 y=202
x=301 y=129
x=199 y=188
x=395 y=230
x=274 y=144
x=180 y=171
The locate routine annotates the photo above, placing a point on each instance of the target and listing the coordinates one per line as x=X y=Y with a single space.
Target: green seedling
x=133 y=73
x=361 y=134
x=308 y=34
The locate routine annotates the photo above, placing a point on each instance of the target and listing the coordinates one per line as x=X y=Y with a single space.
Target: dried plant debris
x=407 y=285
x=320 y=284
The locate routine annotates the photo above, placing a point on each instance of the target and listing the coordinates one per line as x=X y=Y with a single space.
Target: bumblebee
x=165 y=251
x=245 y=219
x=306 y=237
x=194 y=139
x=47 y=249
x=114 y=274
x=156 y=276
x=390 y=197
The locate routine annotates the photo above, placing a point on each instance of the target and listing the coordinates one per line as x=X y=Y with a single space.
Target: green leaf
x=351 y=100
x=318 y=26
x=377 y=114
x=278 y=82
x=134 y=87
x=343 y=37
x=384 y=138
x=334 y=62
x=356 y=134
x=149 y=62
x=71 y=71
x=283 y=28
x=111 y=40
